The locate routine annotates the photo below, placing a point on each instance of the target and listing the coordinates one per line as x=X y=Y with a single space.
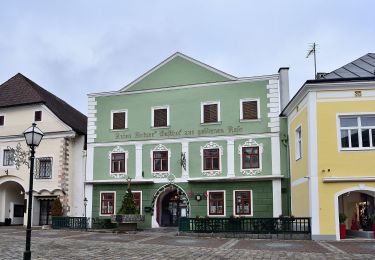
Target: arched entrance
x=12 y=203
x=170 y=202
x=358 y=204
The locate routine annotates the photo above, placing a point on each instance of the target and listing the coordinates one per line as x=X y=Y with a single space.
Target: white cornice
x=349 y=179
x=220 y=83
x=48 y=135
x=235 y=179
x=325 y=86
x=118 y=181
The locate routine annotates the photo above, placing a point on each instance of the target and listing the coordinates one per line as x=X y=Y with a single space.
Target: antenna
x=311 y=51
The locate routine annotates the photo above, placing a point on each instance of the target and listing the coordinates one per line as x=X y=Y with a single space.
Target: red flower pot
x=342 y=231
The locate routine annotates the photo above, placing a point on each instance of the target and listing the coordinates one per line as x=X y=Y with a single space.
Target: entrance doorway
x=358 y=207
x=170 y=209
x=45 y=212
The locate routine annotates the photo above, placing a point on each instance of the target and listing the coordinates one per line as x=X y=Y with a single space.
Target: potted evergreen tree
x=342 y=218
x=56 y=213
x=128 y=216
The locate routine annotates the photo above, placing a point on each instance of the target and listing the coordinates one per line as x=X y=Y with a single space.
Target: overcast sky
x=72 y=48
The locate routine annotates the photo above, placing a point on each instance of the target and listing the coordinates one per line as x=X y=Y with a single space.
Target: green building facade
x=194 y=140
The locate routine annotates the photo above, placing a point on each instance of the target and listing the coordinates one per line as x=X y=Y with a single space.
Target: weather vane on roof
x=312 y=50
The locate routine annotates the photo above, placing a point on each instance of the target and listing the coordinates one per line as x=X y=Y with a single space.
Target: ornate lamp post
x=85 y=203
x=33 y=136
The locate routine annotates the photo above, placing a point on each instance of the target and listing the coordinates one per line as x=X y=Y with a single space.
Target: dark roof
x=362 y=67
x=19 y=90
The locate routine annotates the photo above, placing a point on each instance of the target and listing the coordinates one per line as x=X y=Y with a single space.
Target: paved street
x=55 y=244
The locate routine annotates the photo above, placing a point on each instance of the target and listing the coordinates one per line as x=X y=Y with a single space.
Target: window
x=2 y=120
x=160 y=161
x=119 y=120
x=138 y=201
x=8 y=159
x=160 y=116
x=357 y=131
x=43 y=168
x=249 y=109
x=250 y=157
x=298 y=138
x=38 y=116
x=117 y=162
x=107 y=203
x=216 y=203
x=242 y=202
x=210 y=112
x=211 y=159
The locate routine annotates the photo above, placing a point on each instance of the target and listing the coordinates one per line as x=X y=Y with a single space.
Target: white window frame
x=160 y=174
x=251 y=143
x=152 y=116
x=359 y=128
x=118 y=149
x=4 y=120
x=211 y=173
x=298 y=142
x=100 y=203
x=224 y=206
x=218 y=112
x=241 y=109
x=126 y=119
x=251 y=204
x=140 y=202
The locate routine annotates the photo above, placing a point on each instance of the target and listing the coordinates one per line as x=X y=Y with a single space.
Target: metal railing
x=246 y=225
x=69 y=222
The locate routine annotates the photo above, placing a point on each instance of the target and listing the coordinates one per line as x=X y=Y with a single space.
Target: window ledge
x=250 y=120
x=212 y=123
x=117 y=130
x=160 y=127
x=356 y=149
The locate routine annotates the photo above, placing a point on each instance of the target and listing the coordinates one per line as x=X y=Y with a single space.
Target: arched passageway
x=12 y=203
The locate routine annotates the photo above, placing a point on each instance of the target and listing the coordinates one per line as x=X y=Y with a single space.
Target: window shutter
x=160 y=117
x=119 y=120
x=250 y=110
x=210 y=113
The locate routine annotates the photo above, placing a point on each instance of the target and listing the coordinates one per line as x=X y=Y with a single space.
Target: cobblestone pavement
x=60 y=244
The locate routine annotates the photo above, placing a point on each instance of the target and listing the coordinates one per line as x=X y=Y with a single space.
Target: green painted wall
x=284 y=159
x=185 y=112
x=178 y=71
x=102 y=163
x=262 y=197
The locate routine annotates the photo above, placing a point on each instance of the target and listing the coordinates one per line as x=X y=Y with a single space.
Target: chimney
x=284 y=86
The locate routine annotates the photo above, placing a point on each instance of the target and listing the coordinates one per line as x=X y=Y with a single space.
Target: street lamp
x=85 y=203
x=33 y=136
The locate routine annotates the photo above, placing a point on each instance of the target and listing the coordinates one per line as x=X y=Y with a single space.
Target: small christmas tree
x=128 y=203
x=56 y=209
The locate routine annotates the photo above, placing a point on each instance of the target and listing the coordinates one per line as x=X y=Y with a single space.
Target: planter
x=342 y=231
x=127 y=222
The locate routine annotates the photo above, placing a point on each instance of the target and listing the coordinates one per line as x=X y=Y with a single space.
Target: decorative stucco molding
x=117 y=175
x=212 y=145
x=158 y=174
x=251 y=143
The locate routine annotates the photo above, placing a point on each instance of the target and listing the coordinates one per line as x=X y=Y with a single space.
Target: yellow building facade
x=331 y=129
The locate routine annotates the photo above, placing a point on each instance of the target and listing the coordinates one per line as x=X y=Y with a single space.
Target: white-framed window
x=118 y=162
x=298 y=142
x=38 y=116
x=250 y=153
x=210 y=112
x=249 y=109
x=216 y=203
x=357 y=132
x=43 y=169
x=160 y=161
x=160 y=116
x=138 y=201
x=119 y=119
x=2 y=120
x=211 y=156
x=107 y=203
x=8 y=157
x=243 y=203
